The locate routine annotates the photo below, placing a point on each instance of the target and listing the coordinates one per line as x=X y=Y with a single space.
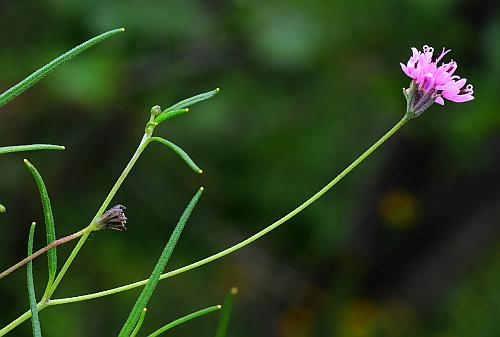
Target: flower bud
x=156 y=110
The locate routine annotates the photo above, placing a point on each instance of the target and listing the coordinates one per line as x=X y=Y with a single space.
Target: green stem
x=45 y=302
x=102 y=209
x=244 y=242
x=142 y=146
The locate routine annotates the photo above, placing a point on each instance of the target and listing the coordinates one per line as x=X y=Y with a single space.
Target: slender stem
x=42 y=251
x=20 y=319
x=45 y=302
x=105 y=204
x=121 y=178
x=48 y=302
x=244 y=242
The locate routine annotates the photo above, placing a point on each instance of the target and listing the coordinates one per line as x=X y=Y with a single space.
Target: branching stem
x=46 y=301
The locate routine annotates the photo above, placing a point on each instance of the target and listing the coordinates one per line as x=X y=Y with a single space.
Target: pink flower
x=432 y=82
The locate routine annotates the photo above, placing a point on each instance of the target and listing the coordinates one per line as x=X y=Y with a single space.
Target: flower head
x=432 y=82
x=113 y=218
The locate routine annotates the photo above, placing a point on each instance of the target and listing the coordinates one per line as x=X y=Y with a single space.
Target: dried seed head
x=113 y=218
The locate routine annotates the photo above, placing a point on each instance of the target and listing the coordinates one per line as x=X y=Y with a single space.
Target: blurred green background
x=408 y=245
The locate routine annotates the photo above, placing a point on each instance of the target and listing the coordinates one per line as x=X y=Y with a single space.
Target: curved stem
x=41 y=251
x=48 y=302
x=246 y=242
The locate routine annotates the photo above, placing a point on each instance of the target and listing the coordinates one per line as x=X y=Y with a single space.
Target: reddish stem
x=42 y=251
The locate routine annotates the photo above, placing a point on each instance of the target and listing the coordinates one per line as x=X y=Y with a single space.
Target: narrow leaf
x=193 y=100
x=180 y=152
x=139 y=324
x=170 y=114
x=146 y=293
x=49 y=221
x=32 y=147
x=226 y=313
x=184 y=319
x=29 y=81
x=35 y=321
x=2 y=209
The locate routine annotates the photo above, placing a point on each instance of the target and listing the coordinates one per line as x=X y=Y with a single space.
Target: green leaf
x=49 y=221
x=169 y=114
x=2 y=209
x=184 y=319
x=32 y=147
x=29 y=81
x=192 y=100
x=226 y=313
x=184 y=156
x=146 y=293
x=35 y=321
x=139 y=324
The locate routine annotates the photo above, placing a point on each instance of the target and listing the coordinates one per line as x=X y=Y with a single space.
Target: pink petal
x=462 y=98
x=460 y=83
x=451 y=94
x=439 y=100
x=405 y=69
x=443 y=53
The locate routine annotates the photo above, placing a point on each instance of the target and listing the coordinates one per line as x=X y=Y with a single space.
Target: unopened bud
x=156 y=110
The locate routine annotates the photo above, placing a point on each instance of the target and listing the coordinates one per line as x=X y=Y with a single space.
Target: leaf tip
x=234 y=290
x=122 y=29
x=219 y=307
x=217 y=90
x=201 y=189
x=200 y=171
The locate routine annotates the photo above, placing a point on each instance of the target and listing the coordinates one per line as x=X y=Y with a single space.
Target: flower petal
x=439 y=100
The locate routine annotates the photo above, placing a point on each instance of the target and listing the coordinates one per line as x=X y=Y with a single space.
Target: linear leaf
x=29 y=81
x=184 y=156
x=184 y=319
x=35 y=321
x=50 y=229
x=32 y=147
x=146 y=293
x=192 y=100
x=170 y=114
x=226 y=313
x=139 y=324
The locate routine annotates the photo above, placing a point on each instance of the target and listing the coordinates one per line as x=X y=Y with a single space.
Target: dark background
x=407 y=245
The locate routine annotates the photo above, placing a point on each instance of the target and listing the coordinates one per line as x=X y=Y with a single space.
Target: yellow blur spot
x=399 y=209
x=297 y=322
